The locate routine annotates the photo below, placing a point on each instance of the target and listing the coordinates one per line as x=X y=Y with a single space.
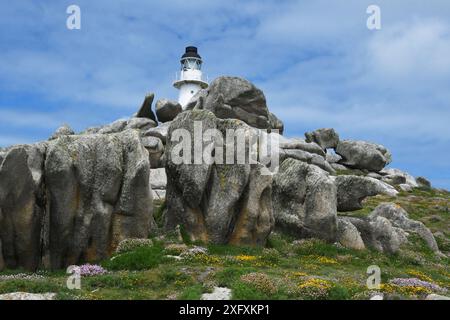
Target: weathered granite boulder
x=351 y=190
x=363 y=155
x=167 y=110
x=160 y=131
x=399 y=218
x=22 y=206
x=73 y=199
x=304 y=201
x=349 y=236
x=217 y=203
x=325 y=138
x=98 y=194
x=397 y=176
x=237 y=98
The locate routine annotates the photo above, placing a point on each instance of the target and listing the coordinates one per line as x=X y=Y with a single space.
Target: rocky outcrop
x=167 y=110
x=304 y=201
x=351 y=190
x=326 y=138
x=217 y=203
x=363 y=155
x=73 y=199
x=399 y=218
x=158 y=181
x=387 y=228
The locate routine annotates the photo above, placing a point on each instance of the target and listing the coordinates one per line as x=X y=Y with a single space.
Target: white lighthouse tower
x=190 y=80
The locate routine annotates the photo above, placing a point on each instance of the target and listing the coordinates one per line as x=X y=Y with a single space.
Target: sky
x=316 y=61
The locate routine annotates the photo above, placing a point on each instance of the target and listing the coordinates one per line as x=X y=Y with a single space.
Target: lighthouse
x=190 y=80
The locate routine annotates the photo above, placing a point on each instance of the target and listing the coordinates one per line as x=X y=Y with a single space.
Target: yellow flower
x=246 y=258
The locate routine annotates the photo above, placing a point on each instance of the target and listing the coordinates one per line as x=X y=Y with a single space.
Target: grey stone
x=218 y=294
x=423 y=182
x=363 y=155
x=158 y=178
x=155 y=150
x=276 y=123
x=160 y=131
x=98 y=194
x=167 y=110
x=332 y=157
x=307 y=157
x=141 y=124
x=351 y=190
x=349 y=236
x=115 y=127
x=64 y=130
x=22 y=206
x=28 y=296
x=145 y=111
x=304 y=201
x=197 y=101
x=378 y=233
x=405 y=187
x=394 y=179
x=237 y=98
x=434 y=296
x=229 y=203
x=392 y=172
x=302 y=145
x=399 y=218
x=325 y=138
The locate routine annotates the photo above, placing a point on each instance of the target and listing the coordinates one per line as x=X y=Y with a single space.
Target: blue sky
x=316 y=61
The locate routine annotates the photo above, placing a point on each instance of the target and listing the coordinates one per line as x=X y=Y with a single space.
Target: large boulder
x=325 y=138
x=213 y=202
x=351 y=190
x=155 y=150
x=237 y=98
x=22 y=207
x=98 y=194
x=363 y=155
x=399 y=218
x=167 y=110
x=304 y=201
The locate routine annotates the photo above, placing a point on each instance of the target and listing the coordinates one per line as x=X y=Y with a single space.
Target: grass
x=308 y=269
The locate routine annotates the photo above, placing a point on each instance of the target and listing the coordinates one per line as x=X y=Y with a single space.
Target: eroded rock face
x=73 y=199
x=218 y=203
x=145 y=111
x=304 y=201
x=98 y=194
x=363 y=155
x=237 y=98
x=351 y=190
x=22 y=206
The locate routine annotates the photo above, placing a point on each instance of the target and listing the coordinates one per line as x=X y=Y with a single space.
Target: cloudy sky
x=316 y=61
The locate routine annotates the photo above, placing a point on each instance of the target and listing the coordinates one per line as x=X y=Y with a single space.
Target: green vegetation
x=285 y=269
